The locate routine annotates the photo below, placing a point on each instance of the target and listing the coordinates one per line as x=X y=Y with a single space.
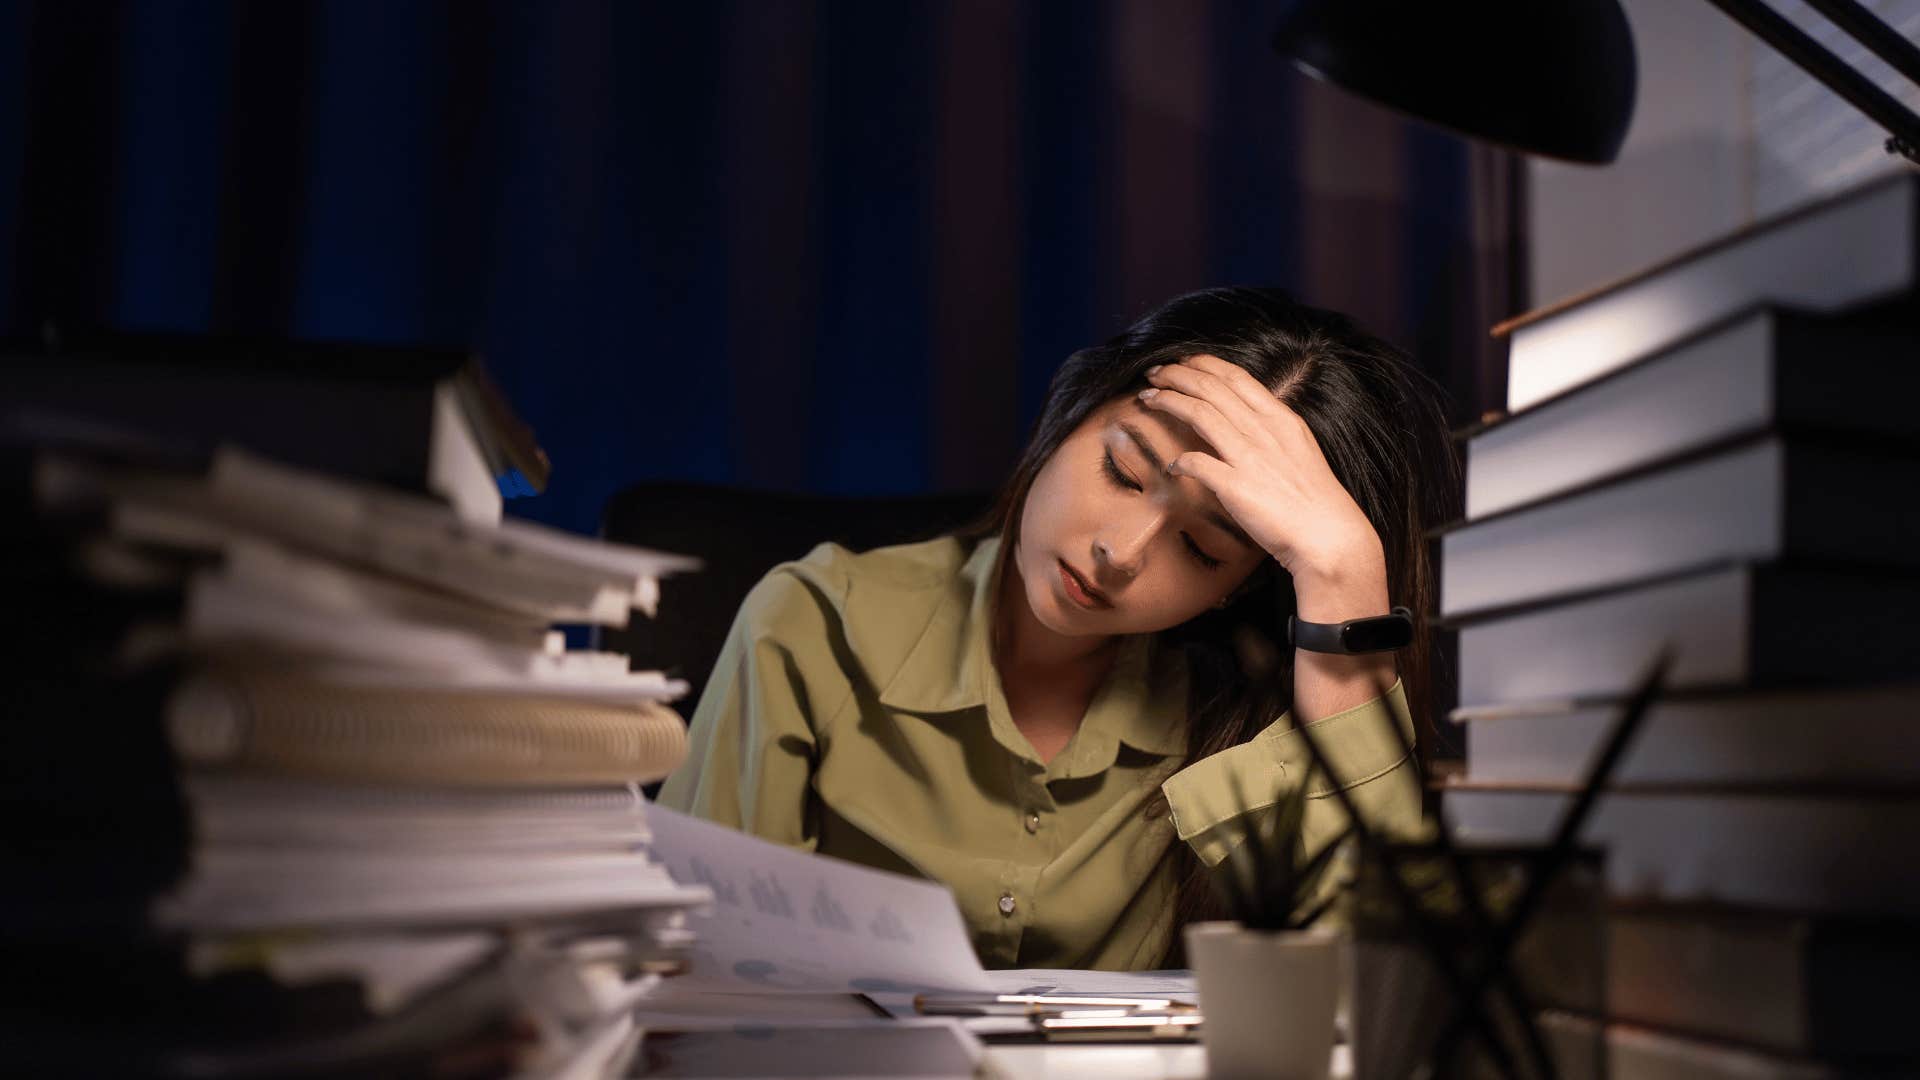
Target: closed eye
x=1200 y=556
x=1123 y=481
x=1119 y=478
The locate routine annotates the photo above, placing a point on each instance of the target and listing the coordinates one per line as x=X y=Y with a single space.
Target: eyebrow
x=1146 y=448
x=1225 y=523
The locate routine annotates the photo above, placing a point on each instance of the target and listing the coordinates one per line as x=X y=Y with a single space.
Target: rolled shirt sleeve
x=1364 y=754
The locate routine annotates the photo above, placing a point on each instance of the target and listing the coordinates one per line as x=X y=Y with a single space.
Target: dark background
x=830 y=247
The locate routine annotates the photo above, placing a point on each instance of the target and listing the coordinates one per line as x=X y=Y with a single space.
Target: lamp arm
x=1873 y=32
x=1816 y=60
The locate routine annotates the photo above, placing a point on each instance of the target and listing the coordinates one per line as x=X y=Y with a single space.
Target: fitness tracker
x=1381 y=633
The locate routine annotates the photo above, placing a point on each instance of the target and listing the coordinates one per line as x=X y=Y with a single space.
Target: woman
x=1044 y=711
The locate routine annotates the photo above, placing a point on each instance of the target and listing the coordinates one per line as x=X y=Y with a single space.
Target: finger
x=1289 y=424
x=1200 y=415
x=1280 y=419
x=1256 y=395
x=1210 y=471
x=1195 y=383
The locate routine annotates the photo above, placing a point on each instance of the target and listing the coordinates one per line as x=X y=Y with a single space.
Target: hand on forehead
x=1159 y=438
x=1233 y=381
x=1227 y=391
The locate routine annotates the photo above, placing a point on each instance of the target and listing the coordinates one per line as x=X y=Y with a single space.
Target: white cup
x=1267 y=999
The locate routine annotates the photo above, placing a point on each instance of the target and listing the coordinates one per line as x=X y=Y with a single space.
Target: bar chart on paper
x=784 y=921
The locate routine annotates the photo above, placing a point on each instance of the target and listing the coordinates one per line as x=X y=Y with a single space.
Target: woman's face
x=1110 y=544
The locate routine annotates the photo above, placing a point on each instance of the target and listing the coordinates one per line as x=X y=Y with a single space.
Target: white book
x=330 y=586
x=235 y=620
x=254 y=811
x=618 y=688
x=1764 y=368
x=1730 y=626
x=457 y=470
x=282 y=722
x=514 y=565
x=1862 y=736
x=237 y=889
x=597 y=581
x=1771 y=498
x=1772 y=849
x=1858 y=247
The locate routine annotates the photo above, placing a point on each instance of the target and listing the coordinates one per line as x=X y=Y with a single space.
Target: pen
x=991 y=1008
x=1069 y=1023
x=921 y=1002
x=1177 y=1027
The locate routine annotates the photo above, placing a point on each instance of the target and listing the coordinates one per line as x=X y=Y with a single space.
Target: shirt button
x=1033 y=821
x=1006 y=904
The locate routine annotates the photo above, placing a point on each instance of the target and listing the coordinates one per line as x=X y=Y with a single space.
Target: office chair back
x=741 y=534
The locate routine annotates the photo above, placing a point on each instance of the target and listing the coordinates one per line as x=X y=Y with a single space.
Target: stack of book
x=302 y=778
x=1717 y=457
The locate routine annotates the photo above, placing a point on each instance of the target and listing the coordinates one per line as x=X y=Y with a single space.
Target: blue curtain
x=834 y=246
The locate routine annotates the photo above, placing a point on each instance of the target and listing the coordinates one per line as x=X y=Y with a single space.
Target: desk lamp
x=1554 y=78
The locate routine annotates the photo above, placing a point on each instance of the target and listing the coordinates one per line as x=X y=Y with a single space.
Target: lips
x=1080 y=590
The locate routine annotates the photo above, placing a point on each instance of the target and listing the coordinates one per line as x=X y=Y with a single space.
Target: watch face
x=1377 y=635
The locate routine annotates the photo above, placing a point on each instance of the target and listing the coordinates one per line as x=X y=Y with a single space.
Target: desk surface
x=1188 y=1062
x=675 y=1009
x=1003 y=1061
x=1098 y=1062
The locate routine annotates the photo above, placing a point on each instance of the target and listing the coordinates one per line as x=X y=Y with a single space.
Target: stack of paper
x=310 y=767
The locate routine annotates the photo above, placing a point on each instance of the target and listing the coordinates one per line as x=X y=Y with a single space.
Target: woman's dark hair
x=1378 y=421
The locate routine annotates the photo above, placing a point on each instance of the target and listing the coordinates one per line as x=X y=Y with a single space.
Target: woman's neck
x=1025 y=646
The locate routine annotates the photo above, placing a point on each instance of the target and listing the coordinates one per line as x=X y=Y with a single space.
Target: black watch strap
x=1381 y=633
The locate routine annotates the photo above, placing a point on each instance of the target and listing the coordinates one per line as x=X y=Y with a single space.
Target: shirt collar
x=1142 y=701
x=947 y=668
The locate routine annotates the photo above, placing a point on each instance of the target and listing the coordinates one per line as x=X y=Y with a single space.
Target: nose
x=1121 y=548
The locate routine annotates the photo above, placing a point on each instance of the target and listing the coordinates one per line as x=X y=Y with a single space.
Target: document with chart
x=784 y=921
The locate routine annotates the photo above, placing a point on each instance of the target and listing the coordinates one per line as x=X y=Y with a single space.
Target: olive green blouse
x=855 y=711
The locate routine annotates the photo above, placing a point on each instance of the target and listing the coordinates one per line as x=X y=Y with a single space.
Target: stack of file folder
x=1717 y=457
x=302 y=778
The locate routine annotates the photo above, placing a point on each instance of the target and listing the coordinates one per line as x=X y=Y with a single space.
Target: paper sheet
x=784 y=921
x=672 y=1006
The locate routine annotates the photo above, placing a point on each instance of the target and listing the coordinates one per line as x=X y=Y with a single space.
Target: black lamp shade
x=1550 y=77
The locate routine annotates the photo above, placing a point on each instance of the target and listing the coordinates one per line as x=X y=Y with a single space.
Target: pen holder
x=1267 y=999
